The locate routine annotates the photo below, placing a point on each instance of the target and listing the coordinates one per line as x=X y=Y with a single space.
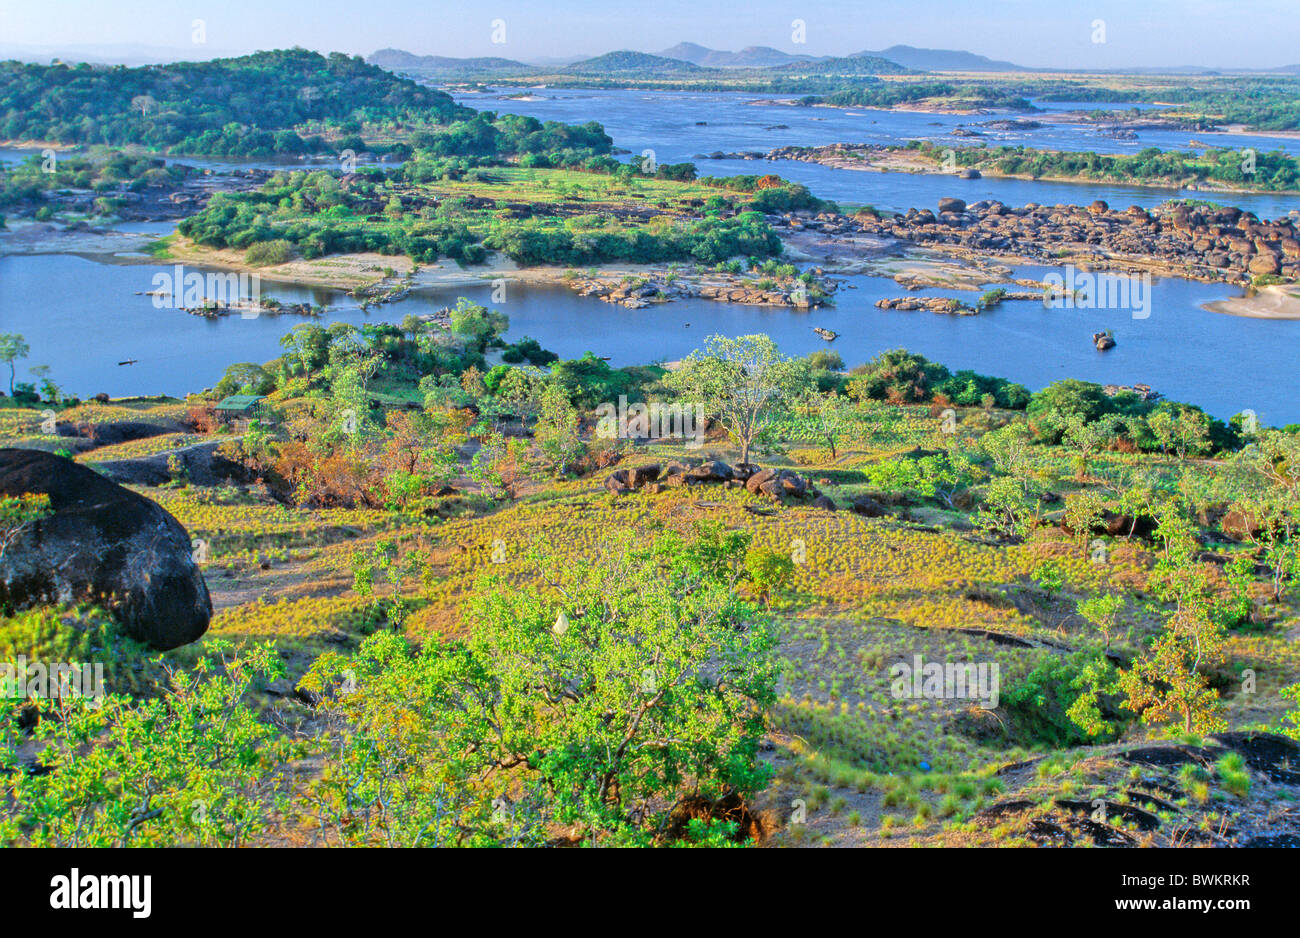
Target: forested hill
x=254 y=105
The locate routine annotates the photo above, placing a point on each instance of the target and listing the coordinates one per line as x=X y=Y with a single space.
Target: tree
x=186 y=766
x=1101 y=611
x=1009 y=507
x=1166 y=681
x=1182 y=428
x=1087 y=437
x=1011 y=450
x=12 y=347
x=556 y=431
x=1050 y=408
x=599 y=704
x=745 y=382
x=897 y=375
x=831 y=415
x=768 y=571
x=1292 y=727
x=1269 y=471
x=1083 y=511
x=521 y=390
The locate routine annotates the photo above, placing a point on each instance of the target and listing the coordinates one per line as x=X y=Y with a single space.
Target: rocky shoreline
x=1223 y=245
x=640 y=292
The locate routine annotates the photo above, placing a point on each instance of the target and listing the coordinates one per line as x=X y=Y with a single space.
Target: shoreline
x=894 y=162
x=1277 y=302
x=354 y=272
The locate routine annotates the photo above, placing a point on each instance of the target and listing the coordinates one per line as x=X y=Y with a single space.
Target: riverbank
x=631 y=285
x=896 y=159
x=1274 y=302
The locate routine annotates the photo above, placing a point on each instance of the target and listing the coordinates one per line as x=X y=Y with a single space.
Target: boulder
x=1122 y=525
x=202 y=465
x=756 y=481
x=792 y=483
x=710 y=472
x=102 y=543
x=1240 y=525
x=640 y=475
x=1264 y=264
x=869 y=507
x=112 y=432
x=952 y=205
x=628 y=480
x=824 y=503
x=743 y=470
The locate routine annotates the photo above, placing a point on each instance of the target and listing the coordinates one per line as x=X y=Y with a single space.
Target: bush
x=267 y=253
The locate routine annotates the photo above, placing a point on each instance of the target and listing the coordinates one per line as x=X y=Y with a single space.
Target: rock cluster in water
x=1206 y=243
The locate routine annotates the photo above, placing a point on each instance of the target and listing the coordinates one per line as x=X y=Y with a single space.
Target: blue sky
x=1216 y=33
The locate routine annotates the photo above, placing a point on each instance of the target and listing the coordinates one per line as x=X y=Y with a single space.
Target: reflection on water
x=82 y=317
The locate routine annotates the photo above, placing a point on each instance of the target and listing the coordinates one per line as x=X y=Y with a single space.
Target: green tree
x=768 y=571
x=189 y=766
x=556 y=432
x=598 y=704
x=1101 y=611
x=745 y=382
x=12 y=347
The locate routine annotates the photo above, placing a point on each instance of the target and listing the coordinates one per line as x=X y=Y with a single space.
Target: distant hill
x=848 y=65
x=942 y=60
x=749 y=57
x=246 y=107
x=398 y=59
x=627 y=61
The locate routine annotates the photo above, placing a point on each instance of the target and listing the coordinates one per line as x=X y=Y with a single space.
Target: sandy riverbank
x=349 y=271
x=1276 y=302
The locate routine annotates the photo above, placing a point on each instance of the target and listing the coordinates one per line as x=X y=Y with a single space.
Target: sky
x=1040 y=33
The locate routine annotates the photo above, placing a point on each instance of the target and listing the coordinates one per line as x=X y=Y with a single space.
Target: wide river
x=81 y=315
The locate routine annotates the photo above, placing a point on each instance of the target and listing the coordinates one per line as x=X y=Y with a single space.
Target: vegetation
x=1275 y=171
x=286 y=102
x=532 y=215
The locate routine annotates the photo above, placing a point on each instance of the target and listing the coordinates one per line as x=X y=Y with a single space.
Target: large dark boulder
x=201 y=463
x=105 y=544
x=622 y=481
x=710 y=472
x=868 y=506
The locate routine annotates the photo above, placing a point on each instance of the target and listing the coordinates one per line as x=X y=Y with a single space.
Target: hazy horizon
x=1066 y=35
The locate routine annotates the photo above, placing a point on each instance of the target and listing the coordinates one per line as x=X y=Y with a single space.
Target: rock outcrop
x=102 y=543
x=201 y=465
x=777 y=484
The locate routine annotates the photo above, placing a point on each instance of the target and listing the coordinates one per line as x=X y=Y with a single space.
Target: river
x=82 y=316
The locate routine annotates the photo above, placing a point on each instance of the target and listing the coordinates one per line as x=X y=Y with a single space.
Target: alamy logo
x=654 y=421
x=58 y=679
x=1077 y=290
x=950 y=680
x=103 y=892
x=182 y=289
